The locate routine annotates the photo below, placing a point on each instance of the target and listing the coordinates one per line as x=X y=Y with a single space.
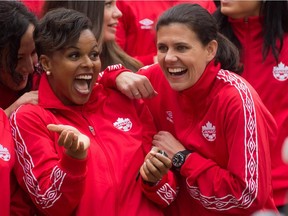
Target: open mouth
x=177 y=71
x=82 y=83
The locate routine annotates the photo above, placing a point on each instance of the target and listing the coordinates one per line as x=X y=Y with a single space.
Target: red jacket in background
x=34 y=6
x=7 y=159
x=270 y=79
x=136 y=33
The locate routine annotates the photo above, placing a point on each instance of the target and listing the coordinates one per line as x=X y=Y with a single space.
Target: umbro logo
x=209 y=131
x=146 y=23
x=123 y=124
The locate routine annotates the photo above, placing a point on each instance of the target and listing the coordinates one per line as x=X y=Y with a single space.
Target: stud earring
x=48 y=73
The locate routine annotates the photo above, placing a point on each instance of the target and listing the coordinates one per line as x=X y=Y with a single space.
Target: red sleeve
x=7 y=159
x=51 y=178
x=108 y=76
x=158 y=193
x=244 y=184
x=168 y=184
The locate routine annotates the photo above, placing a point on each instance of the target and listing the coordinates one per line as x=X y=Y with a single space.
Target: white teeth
x=175 y=70
x=85 y=77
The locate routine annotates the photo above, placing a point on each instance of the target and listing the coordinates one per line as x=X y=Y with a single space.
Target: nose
x=117 y=13
x=170 y=56
x=28 y=67
x=87 y=62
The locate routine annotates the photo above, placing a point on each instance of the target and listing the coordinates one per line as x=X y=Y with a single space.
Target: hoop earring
x=48 y=73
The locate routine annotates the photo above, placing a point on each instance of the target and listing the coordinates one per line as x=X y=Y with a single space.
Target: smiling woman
x=82 y=146
x=212 y=123
x=17 y=56
x=104 y=16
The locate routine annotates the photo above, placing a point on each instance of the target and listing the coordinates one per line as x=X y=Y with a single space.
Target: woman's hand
x=135 y=86
x=166 y=141
x=27 y=98
x=155 y=166
x=75 y=143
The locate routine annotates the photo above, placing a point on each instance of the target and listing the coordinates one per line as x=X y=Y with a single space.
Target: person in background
x=80 y=149
x=136 y=30
x=105 y=14
x=7 y=159
x=211 y=122
x=34 y=6
x=260 y=30
x=17 y=56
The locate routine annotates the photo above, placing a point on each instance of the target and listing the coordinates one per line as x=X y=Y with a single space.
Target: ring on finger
x=136 y=93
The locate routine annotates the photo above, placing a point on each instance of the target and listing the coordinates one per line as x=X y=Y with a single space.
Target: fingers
x=143 y=90
x=136 y=94
x=153 y=175
x=70 y=138
x=135 y=86
x=161 y=161
x=55 y=128
x=155 y=166
x=59 y=128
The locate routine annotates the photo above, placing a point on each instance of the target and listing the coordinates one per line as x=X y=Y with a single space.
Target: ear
x=211 y=50
x=45 y=62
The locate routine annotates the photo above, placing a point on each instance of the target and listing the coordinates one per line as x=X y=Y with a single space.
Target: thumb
x=56 y=128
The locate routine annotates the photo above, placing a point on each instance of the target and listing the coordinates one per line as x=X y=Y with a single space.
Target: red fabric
x=136 y=29
x=7 y=159
x=270 y=79
x=222 y=119
x=34 y=6
x=8 y=97
x=105 y=183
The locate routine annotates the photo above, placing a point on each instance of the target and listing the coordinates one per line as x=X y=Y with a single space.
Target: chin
x=109 y=37
x=19 y=87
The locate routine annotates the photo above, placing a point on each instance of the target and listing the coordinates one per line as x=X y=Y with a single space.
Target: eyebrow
x=75 y=47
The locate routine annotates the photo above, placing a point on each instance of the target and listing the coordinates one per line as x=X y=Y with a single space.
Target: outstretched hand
x=135 y=86
x=155 y=166
x=75 y=143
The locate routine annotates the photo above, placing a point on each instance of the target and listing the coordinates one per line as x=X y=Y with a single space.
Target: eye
x=108 y=3
x=162 y=48
x=182 y=48
x=74 y=55
x=94 y=55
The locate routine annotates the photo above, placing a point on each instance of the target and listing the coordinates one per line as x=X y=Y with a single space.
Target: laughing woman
x=212 y=123
x=90 y=166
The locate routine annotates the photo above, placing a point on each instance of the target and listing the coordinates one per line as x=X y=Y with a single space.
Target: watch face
x=178 y=160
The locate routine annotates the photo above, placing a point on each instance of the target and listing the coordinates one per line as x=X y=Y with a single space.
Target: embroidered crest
x=146 y=23
x=280 y=72
x=4 y=153
x=123 y=124
x=169 y=116
x=209 y=131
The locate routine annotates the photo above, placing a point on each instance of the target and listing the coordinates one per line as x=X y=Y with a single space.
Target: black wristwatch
x=179 y=159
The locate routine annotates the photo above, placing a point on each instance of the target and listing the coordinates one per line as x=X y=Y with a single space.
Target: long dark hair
x=275 y=24
x=14 y=22
x=111 y=53
x=200 y=21
x=94 y=10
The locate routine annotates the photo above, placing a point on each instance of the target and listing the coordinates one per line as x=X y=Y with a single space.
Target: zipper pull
x=92 y=130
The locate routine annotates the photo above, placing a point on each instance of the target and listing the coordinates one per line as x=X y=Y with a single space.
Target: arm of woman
x=51 y=177
x=29 y=97
x=133 y=85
